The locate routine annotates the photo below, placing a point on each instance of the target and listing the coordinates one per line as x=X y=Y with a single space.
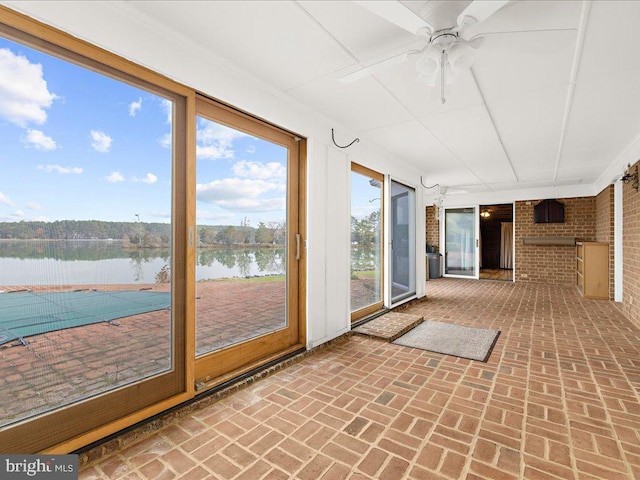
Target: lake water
x=74 y=262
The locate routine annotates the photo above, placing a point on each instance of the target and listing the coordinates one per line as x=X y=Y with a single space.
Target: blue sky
x=78 y=145
x=363 y=195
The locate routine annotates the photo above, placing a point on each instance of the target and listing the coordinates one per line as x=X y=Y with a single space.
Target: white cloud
x=149 y=178
x=24 y=94
x=214 y=141
x=213 y=152
x=161 y=214
x=60 y=169
x=251 y=149
x=165 y=141
x=254 y=204
x=114 y=177
x=101 y=142
x=215 y=217
x=39 y=140
x=232 y=189
x=34 y=206
x=167 y=106
x=18 y=215
x=263 y=171
x=134 y=107
x=5 y=200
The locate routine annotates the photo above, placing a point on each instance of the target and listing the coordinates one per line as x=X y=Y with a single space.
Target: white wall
x=120 y=29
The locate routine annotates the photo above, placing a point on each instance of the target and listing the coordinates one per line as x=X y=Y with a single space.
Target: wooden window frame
x=374 y=307
x=80 y=423
x=216 y=367
x=72 y=427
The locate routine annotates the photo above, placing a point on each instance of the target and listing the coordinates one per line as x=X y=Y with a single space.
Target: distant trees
x=143 y=234
x=366 y=232
x=136 y=233
x=271 y=233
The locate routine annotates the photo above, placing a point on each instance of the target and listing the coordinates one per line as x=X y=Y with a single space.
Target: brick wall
x=546 y=263
x=631 y=252
x=605 y=228
x=433 y=227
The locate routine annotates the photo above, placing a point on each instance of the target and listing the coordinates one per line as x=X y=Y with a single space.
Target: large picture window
x=141 y=260
x=88 y=309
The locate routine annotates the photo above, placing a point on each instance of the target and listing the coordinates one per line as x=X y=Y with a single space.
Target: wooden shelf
x=592 y=269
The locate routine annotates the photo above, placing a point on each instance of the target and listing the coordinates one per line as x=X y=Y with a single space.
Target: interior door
x=249 y=243
x=461 y=241
x=403 y=246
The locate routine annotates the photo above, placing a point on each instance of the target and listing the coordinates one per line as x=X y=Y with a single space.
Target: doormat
x=450 y=339
x=389 y=326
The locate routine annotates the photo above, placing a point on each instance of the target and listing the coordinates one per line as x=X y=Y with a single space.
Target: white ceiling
x=553 y=97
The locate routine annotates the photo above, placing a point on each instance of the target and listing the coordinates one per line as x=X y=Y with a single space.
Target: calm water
x=104 y=262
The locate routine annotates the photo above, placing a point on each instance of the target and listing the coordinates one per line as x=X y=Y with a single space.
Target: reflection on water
x=267 y=261
x=26 y=262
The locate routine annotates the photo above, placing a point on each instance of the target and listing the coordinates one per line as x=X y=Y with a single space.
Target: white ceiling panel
x=276 y=41
x=362 y=106
x=537 y=132
x=504 y=67
x=517 y=16
x=604 y=136
x=362 y=33
x=612 y=38
x=411 y=140
x=470 y=135
x=593 y=158
x=607 y=96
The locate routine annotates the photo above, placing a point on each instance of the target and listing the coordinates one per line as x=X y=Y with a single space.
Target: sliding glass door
x=403 y=246
x=461 y=242
x=249 y=244
x=366 y=241
x=91 y=318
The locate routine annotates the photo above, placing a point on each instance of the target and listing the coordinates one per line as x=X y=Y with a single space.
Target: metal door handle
x=297 y=246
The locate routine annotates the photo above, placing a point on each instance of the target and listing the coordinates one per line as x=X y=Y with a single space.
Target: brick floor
x=558 y=399
x=64 y=366
x=389 y=326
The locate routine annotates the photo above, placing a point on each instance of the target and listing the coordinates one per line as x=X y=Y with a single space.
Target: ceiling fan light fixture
x=428 y=65
x=461 y=57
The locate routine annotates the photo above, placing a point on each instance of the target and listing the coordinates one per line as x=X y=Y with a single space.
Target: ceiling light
x=447 y=55
x=485 y=214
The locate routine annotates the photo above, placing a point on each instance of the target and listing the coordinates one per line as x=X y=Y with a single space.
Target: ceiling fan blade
x=396 y=13
x=371 y=69
x=478 y=11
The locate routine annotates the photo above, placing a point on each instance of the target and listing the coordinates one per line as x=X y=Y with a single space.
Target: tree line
x=143 y=234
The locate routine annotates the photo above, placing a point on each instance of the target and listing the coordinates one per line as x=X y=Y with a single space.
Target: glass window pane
x=366 y=241
x=403 y=248
x=460 y=241
x=241 y=191
x=85 y=233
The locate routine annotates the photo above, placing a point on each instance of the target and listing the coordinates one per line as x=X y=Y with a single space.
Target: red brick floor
x=558 y=399
x=61 y=367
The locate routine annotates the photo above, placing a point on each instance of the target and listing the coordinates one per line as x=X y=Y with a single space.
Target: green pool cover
x=23 y=314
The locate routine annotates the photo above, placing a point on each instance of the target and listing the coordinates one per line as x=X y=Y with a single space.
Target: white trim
x=618 y=264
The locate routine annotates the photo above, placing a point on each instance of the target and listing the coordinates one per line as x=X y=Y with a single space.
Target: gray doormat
x=449 y=339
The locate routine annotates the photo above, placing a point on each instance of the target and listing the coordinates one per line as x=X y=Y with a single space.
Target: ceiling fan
x=448 y=53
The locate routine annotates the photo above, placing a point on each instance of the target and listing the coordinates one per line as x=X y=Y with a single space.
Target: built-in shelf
x=560 y=241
